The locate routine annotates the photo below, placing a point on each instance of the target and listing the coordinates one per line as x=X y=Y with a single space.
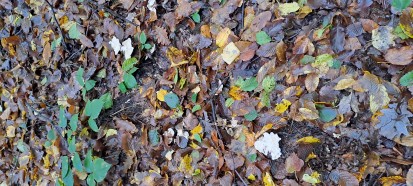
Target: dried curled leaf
x=162 y=36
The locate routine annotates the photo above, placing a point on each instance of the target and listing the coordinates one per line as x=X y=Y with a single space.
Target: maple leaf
x=393 y=123
x=162 y=36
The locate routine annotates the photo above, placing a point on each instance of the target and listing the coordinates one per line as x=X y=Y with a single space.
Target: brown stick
x=58 y=25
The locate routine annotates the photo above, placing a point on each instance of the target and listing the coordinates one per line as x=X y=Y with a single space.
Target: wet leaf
x=171 y=100
x=327 y=114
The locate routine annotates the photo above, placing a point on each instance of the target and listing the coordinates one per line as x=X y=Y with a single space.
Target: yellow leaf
x=286 y=8
x=392 y=180
x=161 y=94
x=310 y=156
x=406 y=21
x=304 y=11
x=10 y=131
x=345 y=83
x=185 y=165
x=176 y=57
x=235 y=93
x=251 y=177
x=230 y=53
x=283 y=106
x=268 y=180
x=197 y=129
x=222 y=37
x=264 y=129
x=46 y=161
x=308 y=140
x=314 y=178
x=111 y=132
x=379 y=99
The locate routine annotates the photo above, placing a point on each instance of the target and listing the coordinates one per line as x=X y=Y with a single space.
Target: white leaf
x=115 y=44
x=268 y=144
x=127 y=48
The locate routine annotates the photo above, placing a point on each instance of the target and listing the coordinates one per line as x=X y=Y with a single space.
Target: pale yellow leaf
x=345 y=83
x=230 y=53
x=222 y=37
x=286 y=8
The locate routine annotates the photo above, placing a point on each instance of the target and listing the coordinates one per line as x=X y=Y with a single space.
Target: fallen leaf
x=345 y=83
x=293 y=163
x=308 y=140
x=267 y=180
x=283 y=106
x=401 y=56
x=406 y=20
x=127 y=48
x=162 y=36
x=382 y=38
x=222 y=37
x=286 y=8
x=161 y=94
x=230 y=53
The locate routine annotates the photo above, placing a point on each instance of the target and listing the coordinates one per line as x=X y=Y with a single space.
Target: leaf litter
x=206 y=92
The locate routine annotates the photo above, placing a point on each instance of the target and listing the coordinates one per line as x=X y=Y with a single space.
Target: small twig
x=58 y=25
x=112 y=13
x=123 y=109
x=220 y=137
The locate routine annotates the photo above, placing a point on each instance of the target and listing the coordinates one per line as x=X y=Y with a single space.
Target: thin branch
x=58 y=25
x=112 y=13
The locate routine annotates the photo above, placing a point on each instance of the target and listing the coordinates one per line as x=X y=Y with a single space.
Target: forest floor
x=219 y=92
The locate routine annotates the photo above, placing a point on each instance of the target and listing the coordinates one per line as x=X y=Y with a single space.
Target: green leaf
x=142 y=38
x=249 y=84
x=268 y=83
x=182 y=83
x=262 y=38
x=101 y=73
x=265 y=99
x=73 y=32
x=79 y=76
x=68 y=180
x=251 y=115
x=196 y=108
x=193 y=97
x=72 y=144
x=56 y=43
x=90 y=84
x=147 y=46
x=62 y=118
x=107 y=100
x=307 y=59
x=327 y=114
x=122 y=87
x=88 y=161
x=399 y=32
x=47 y=144
x=407 y=79
x=252 y=157
x=171 y=100
x=90 y=180
x=100 y=169
x=73 y=122
x=93 y=125
x=51 y=135
x=129 y=63
x=153 y=137
x=198 y=138
x=93 y=108
x=77 y=163
x=65 y=166
x=129 y=81
x=400 y=5
x=196 y=17
x=229 y=102
x=176 y=77
x=21 y=146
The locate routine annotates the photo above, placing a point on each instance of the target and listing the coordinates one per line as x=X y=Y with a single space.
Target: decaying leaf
x=382 y=38
x=293 y=163
x=401 y=56
x=230 y=53
x=286 y=8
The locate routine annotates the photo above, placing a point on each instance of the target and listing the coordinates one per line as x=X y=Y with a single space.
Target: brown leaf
x=352 y=43
x=281 y=51
x=402 y=56
x=233 y=161
x=260 y=21
x=293 y=163
x=126 y=3
x=311 y=82
x=86 y=41
x=267 y=50
x=301 y=45
x=347 y=179
x=337 y=38
x=409 y=176
x=162 y=36
x=125 y=125
x=368 y=25
x=47 y=52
